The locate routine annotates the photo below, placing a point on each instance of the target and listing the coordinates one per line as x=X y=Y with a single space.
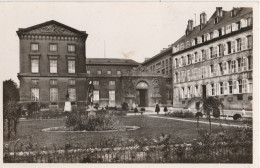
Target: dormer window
x=216 y=20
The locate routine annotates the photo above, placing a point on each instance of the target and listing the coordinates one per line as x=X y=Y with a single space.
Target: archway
x=142 y=99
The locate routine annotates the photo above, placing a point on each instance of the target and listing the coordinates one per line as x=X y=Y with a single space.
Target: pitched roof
x=51 y=22
x=210 y=26
x=163 y=52
x=111 y=61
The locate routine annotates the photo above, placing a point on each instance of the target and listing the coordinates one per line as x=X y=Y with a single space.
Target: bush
x=96 y=105
x=199 y=114
x=142 y=109
x=181 y=114
x=157 y=108
x=101 y=121
x=125 y=106
x=237 y=116
x=165 y=109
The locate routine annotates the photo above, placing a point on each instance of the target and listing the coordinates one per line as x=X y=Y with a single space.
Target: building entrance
x=142 y=96
x=142 y=89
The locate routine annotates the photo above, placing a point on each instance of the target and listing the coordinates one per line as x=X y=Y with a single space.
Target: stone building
x=52 y=65
x=124 y=80
x=215 y=58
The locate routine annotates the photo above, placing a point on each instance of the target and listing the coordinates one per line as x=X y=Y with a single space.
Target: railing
x=167 y=153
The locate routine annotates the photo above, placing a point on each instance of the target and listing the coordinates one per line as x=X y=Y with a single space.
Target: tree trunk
x=8 y=129
x=209 y=123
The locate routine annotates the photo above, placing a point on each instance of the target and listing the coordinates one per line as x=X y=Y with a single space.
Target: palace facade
x=214 y=58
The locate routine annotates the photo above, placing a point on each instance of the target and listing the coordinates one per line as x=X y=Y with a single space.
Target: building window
x=249 y=21
x=53 y=82
x=53 y=94
x=35 y=47
x=249 y=41
x=88 y=72
x=244 y=64
x=119 y=72
x=72 y=94
x=35 y=65
x=109 y=72
x=221 y=88
x=230 y=87
x=244 y=86
x=96 y=83
x=35 y=96
x=169 y=95
x=239 y=44
x=53 y=66
x=233 y=66
x=71 y=48
x=112 y=83
x=226 y=88
x=72 y=81
x=112 y=98
x=99 y=72
x=228 y=47
x=235 y=87
x=53 y=47
x=96 y=96
x=71 y=66
x=35 y=81
x=228 y=29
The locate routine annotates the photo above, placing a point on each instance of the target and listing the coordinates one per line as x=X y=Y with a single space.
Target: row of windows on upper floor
x=53 y=65
x=53 y=47
x=214 y=34
x=161 y=65
x=213 y=70
x=54 y=82
x=211 y=52
x=215 y=89
x=99 y=72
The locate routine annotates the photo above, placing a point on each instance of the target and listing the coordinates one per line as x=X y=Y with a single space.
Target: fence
x=214 y=153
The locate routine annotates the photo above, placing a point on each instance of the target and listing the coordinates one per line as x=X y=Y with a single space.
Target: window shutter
x=223 y=31
x=233 y=46
x=243 y=43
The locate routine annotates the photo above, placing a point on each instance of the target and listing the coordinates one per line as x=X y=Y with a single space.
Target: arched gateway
x=142 y=89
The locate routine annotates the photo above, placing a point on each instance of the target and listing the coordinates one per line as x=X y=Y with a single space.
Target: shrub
x=199 y=114
x=125 y=106
x=165 y=109
x=188 y=115
x=101 y=121
x=96 y=105
x=237 y=116
x=142 y=109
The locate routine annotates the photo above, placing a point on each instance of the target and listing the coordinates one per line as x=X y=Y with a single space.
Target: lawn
x=149 y=127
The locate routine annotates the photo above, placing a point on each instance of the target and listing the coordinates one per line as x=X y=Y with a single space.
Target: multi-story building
x=52 y=65
x=215 y=58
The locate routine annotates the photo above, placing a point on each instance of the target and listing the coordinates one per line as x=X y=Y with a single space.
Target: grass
x=150 y=128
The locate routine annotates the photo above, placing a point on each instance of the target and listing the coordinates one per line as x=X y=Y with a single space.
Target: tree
x=11 y=108
x=211 y=105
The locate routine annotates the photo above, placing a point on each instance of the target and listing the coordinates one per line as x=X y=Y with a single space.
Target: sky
x=135 y=30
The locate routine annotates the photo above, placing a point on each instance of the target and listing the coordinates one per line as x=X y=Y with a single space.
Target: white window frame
x=35 y=65
x=71 y=66
x=54 y=94
x=53 y=66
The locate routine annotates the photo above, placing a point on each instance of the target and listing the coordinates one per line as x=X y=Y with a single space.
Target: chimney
x=219 y=11
x=203 y=18
x=190 y=25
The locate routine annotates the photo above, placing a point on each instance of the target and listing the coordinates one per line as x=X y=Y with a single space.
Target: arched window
x=207 y=36
x=209 y=90
x=244 y=64
x=225 y=68
x=192 y=42
x=199 y=40
x=226 y=88
x=180 y=62
x=216 y=34
x=243 y=23
x=182 y=92
x=200 y=55
x=235 y=87
x=244 y=85
x=233 y=46
x=234 y=66
x=187 y=44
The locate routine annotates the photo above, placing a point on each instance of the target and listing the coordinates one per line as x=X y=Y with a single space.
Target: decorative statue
x=67 y=107
x=90 y=92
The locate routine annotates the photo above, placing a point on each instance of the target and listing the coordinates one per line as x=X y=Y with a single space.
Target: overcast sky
x=135 y=30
